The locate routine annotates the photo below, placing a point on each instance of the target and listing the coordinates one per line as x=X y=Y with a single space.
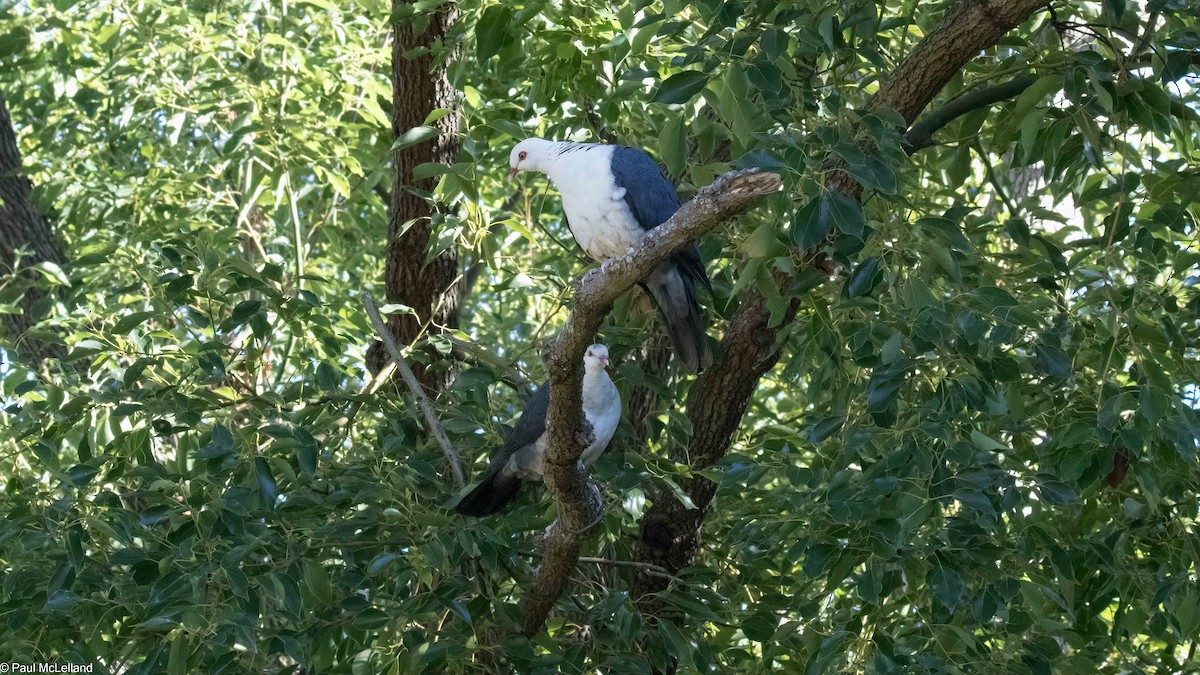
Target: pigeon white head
x=595 y=359
x=530 y=154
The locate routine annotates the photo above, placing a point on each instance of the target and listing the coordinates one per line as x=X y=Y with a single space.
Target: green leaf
x=1031 y=97
x=492 y=31
x=61 y=601
x=947 y=587
x=863 y=280
x=397 y=309
x=986 y=443
x=673 y=146
x=328 y=377
x=177 y=661
x=244 y=310
x=14 y=41
x=760 y=626
x=82 y=474
x=825 y=428
x=371 y=619
x=221 y=444
x=831 y=647
x=1052 y=361
x=678 y=646
x=306 y=458
x=427 y=170
x=458 y=608
x=811 y=223
x=130 y=321
x=52 y=273
x=762 y=243
x=436 y=114
x=1114 y=11
x=681 y=87
x=379 y=562
x=266 y=483
x=976 y=500
x=846 y=213
x=413 y=136
x=679 y=493
x=316 y=579
x=1055 y=492
x=1153 y=404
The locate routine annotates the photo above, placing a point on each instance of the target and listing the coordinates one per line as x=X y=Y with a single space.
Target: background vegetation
x=977 y=451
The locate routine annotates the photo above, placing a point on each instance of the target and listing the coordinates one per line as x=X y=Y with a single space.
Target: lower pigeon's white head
x=595 y=360
x=531 y=154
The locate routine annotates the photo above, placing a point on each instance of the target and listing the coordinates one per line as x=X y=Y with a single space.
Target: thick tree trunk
x=22 y=226
x=419 y=85
x=670 y=534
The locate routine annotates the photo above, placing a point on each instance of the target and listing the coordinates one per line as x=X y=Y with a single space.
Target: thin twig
x=469 y=352
x=648 y=568
x=368 y=389
x=435 y=427
x=920 y=135
x=991 y=176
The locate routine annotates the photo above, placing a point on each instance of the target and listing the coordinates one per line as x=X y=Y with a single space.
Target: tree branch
x=967 y=28
x=435 y=427
x=670 y=533
x=566 y=430
x=920 y=136
x=644 y=567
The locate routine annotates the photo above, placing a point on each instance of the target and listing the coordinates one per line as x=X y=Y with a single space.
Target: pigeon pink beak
x=512 y=173
x=604 y=361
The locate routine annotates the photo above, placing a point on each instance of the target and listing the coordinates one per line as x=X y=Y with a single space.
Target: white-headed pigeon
x=521 y=456
x=612 y=195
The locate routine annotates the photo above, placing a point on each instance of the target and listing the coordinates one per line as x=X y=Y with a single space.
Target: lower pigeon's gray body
x=522 y=456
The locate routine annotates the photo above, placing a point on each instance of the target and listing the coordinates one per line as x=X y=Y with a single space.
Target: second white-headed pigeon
x=523 y=453
x=612 y=195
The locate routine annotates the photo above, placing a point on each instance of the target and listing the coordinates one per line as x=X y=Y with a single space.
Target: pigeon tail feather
x=675 y=297
x=491 y=495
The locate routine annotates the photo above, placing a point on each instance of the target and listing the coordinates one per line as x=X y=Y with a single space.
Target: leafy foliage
x=979 y=452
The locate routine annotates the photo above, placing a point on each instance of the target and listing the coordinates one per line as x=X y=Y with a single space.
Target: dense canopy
x=952 y=425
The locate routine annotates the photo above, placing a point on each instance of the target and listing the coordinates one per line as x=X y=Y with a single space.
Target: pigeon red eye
x=522 y=156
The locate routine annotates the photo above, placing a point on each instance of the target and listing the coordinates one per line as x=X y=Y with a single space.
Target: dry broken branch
x=435 y=426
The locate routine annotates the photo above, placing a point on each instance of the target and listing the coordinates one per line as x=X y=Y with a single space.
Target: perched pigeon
x=521 y=456
x=612 y=195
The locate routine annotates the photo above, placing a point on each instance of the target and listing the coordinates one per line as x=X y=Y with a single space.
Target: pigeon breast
x=595 y=207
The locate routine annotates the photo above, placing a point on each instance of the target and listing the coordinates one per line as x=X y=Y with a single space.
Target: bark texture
x=23 y=226
x=419 y=85
x=670 y=534
x=968 y=28
x=920 y=135
x=567 y=431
